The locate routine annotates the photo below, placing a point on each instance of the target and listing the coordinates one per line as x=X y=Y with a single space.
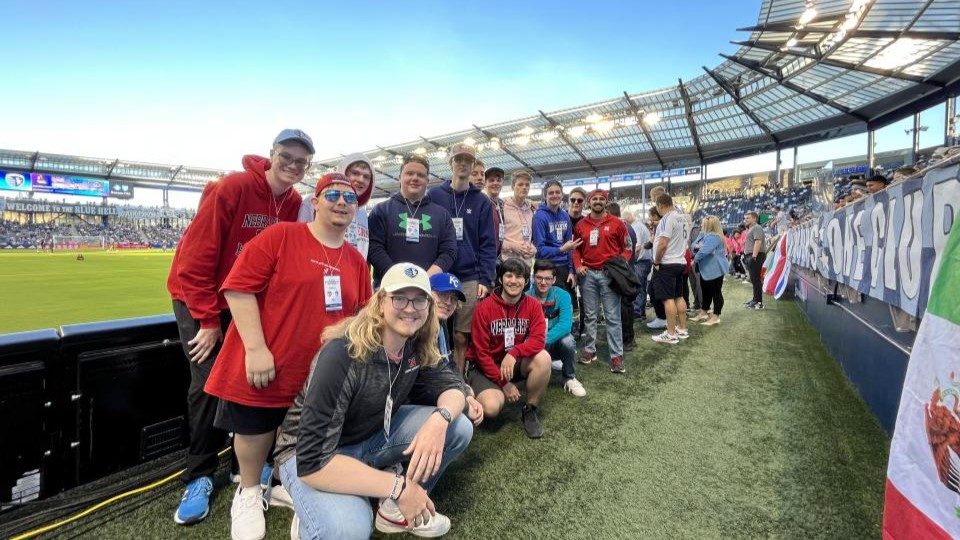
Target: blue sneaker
x=266 y=476
x=195 y=504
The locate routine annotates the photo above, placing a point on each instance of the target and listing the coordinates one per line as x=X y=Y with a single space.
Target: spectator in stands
x=233 y=212
x=518 y=219
x=553 y=235
x=508 y=343
x=603 y=237
x=477 y=174
x=359 y=171
x=626 y=304
x=877 y=182
x=281 y=276
x=669 y=264
x=492 y=184
x=410 y=227
x=558 y=312
x=644 y=258
x=376 y=397
x=754 y=256
x=476 y=259
x=858 y=189
x=711 y=258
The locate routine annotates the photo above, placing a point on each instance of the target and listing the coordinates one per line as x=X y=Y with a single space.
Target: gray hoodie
x=358 y=233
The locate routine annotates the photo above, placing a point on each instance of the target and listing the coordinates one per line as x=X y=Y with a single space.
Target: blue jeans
x=596 y=290
x=642 y=270
x=565 y=350
x=336 y=515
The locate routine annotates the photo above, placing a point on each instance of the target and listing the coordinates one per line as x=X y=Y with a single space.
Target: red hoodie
x=230 y=215
x=613 y=241
x=492 y=315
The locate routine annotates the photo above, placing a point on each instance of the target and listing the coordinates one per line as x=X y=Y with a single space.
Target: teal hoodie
x=558 y=310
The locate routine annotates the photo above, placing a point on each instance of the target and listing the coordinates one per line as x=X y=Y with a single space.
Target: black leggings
x=755 y=267
x=712 y=294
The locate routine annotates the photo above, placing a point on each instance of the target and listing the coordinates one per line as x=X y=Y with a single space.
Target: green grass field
x=43 y=290
x=746 y=430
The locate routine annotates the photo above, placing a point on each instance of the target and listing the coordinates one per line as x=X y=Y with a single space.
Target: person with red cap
x=232 y=212
x=603 y=237
x=359 y=172
x=289 y=284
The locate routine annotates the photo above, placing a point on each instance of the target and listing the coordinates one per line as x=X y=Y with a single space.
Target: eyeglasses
x=544 y=279
x=401 y=302
x=333 y=195
x=447 y=298
x=287 y=160
x=576 y=201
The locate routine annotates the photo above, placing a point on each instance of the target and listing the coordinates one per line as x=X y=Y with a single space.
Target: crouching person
x=354 y=420
x=558 y=315
x=508 y=335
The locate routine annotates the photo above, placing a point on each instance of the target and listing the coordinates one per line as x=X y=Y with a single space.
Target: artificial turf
x=746 y=430
x=46 y=290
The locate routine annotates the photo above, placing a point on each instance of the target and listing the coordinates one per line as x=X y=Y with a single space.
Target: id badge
x=594 y=237
x=525 y=231
x=458 y=227
x=508 y=337
x=387 y=416
x=501 y=233
x=332 y=293
x=413 y=230
x=559 y=234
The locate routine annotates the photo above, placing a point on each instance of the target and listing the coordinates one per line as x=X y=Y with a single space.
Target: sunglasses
x=576 y=201
x=333 y=195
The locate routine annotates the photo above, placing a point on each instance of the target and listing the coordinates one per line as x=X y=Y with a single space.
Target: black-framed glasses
x=447 y=298
x=544 y=279
x=576 y=201
x=400 y=302
x=288 y=161
x=333 y=195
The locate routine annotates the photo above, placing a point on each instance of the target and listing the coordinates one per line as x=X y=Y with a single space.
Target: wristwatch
x=444 y=413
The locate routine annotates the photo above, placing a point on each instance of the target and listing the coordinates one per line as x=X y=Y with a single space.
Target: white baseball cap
x=404 y=275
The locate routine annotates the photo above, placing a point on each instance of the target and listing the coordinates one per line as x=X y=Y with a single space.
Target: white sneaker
x=246 y=514
x=683 y=334
x=666 y=338
x=657 y=324
x=575 y=387
x=556 y=365
x=278 y=496
x=390 y=520
x=295 y=527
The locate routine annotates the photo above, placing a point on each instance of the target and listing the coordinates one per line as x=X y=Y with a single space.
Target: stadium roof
x=809 y=70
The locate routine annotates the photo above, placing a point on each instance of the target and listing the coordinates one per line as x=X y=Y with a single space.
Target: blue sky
x=202 y=83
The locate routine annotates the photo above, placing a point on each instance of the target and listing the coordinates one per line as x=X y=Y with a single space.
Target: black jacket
x=623 y=279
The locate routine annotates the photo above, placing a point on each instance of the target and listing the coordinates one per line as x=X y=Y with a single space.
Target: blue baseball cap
x=296 y=135
x=445 y=283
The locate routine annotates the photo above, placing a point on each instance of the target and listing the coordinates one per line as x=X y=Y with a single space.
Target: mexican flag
x=922 y=497
x=777 y=269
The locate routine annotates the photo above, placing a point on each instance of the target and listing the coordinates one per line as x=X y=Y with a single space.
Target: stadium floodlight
x=548 y=135
x=494 y=143
x=577 y=130
x=527 y=130
x=808 y=15
x=792 y=42
x=850 y=22
x=420 y=151
x=604 y=126
x=651 y=118
x=593 y=118
x=470 y=141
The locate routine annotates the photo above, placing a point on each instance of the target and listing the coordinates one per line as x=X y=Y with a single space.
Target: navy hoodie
x=388 y=241
x=477 y=252
x=550 y=231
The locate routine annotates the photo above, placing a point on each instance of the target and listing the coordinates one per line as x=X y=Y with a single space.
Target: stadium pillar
x=795 y=177
x=779 y=179
x=915 y=148
x=950 y=124
x=166 y=198
x=871 y=147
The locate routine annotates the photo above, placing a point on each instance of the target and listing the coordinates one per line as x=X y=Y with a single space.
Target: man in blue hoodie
x=409 y=227
x=475 y=263
x=553 y=235
x=558 y=312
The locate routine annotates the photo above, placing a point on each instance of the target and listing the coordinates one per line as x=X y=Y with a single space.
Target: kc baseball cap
x=445 y=282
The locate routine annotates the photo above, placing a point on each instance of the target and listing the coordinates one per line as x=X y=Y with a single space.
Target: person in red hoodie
x=232 y=212
x=289 y=284
x=604 y=237
x=508 y=339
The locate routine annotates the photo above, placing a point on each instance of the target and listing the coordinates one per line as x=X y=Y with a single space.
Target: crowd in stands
x=17 y=235
x=29 y=235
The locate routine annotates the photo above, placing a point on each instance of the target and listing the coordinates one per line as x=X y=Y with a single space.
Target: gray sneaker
x=531 y=422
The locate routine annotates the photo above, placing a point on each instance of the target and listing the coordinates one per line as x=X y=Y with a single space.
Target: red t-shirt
x=284 y=266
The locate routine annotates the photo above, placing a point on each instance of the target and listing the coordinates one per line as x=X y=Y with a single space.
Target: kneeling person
x=558 y=315
x=508 y=338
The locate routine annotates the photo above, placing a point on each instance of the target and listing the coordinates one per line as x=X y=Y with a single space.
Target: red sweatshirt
x=492 y=315
x=613 y=240
x=230 y=215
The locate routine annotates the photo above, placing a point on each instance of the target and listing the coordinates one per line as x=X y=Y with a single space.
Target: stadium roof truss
x=809 y=70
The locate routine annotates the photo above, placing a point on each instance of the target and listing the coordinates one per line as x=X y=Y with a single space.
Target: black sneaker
x=531 y=422
x=749 y=305
x=630 y=346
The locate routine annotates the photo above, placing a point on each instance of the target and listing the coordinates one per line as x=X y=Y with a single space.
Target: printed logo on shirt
x=558 y=228
x=328 y=269
x=412 y=364
x=469 y=210
x=424 y=222
x=258 y=221
x=520 y=326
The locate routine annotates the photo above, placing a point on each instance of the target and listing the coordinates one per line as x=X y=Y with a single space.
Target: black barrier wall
x=88 y=401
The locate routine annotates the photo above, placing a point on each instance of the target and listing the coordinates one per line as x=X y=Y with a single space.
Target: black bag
x=623 y=279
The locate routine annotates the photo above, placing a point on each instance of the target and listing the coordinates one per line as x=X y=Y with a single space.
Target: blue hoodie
x=388 y=243
x=558 y=311
x=550 y=231
x=476 y=258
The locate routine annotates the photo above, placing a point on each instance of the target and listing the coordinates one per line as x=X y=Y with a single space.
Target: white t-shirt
x=675 y=228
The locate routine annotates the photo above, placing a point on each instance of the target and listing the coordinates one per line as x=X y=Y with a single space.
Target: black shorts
x=247 y=420
x=479 y=382
x=668 y=281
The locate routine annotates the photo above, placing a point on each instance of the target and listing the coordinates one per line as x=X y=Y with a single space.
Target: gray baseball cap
x=296 y=135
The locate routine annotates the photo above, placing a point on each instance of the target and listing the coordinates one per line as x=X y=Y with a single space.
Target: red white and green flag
x=922 y=497
x=776 y=273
